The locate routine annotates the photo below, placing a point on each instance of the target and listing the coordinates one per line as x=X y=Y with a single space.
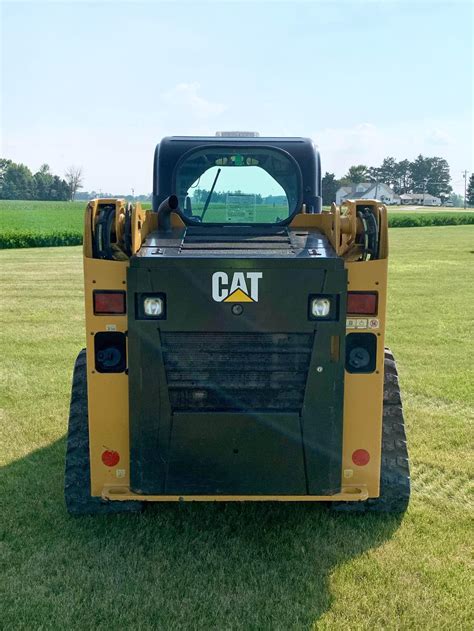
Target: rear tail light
x=361 y=352
x=110 y=352
x=363 y=303
x=109 y=302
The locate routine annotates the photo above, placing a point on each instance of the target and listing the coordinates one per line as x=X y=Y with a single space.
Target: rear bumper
x=122 y=494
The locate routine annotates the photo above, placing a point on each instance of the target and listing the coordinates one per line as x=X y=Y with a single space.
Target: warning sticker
x=110 y=327
x=356 y=323
x=120 y=473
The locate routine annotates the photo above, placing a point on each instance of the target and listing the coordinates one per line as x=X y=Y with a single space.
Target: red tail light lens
x=361 y=457
x=109 y=302
x=110 y=458
x=363 y=303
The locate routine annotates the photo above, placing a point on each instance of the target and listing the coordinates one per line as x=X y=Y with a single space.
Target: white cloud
x=368 y=144
x=438 y=137
x=185 y=95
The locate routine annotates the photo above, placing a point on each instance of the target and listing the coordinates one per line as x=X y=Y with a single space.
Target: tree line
x=201 y=195
x=424 y=174
x=470 y=191
x=18 y=182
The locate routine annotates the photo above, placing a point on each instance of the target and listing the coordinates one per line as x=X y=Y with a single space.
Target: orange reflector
x=359 y=302
x=360 y=457
x=110 y=458
x=109 y=302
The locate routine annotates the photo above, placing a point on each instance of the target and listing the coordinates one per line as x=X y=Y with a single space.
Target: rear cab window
x=245 y=185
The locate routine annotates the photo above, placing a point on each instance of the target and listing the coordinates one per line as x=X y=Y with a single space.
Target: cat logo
x=242 y=288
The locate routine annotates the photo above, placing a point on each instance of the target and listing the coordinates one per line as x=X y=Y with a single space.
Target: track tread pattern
x=395 y=470
x=77 y=474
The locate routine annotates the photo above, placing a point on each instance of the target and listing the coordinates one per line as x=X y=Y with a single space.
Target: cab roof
x=171 y=149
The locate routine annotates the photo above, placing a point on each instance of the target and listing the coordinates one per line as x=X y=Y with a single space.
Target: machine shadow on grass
x=197 y=565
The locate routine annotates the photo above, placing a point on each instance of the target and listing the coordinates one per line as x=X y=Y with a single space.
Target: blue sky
x=98 y=84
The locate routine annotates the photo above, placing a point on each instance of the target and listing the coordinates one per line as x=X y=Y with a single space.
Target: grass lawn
x=234 y=566
x=429 y=209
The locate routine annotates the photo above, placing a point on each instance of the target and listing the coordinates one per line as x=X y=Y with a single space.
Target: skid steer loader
x=235 y=339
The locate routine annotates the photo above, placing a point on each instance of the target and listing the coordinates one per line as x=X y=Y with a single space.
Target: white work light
x=320 y=307
x=153 y=307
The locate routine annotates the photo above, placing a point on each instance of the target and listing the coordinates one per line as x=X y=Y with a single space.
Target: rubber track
x=77 y=475
x=395 y=473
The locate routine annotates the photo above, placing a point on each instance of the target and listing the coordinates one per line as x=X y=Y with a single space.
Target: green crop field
x=36 y=224
x=240 y=566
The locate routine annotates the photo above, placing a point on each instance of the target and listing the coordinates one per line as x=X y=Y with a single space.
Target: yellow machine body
x=108 y=394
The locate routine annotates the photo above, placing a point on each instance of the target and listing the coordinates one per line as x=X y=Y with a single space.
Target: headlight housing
x=323 y=307
x=153 y=306
x=150 y=306
x=320 y=307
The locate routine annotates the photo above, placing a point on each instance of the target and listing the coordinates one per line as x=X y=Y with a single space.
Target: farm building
x=368 y=190
x=420 y=199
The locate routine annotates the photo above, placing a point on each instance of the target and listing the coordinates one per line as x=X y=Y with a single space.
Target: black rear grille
x=239 y=238
x=236 y=371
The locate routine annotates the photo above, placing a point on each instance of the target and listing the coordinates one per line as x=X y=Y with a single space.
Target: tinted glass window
x=228 y=185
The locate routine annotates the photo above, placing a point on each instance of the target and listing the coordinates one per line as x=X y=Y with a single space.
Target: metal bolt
x=319 y=369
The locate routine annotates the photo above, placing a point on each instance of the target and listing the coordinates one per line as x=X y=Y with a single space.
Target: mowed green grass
x=240 y=566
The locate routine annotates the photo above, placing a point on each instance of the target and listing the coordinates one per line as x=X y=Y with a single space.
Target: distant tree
x=329 y=188
x=16 y=181
x=439 y=178
x=387 y=172
x=430 y=175
x=357 y=174
x=43 y=182
x=470 y=191
x=419 y=174
x=456 y=200
x=74 y=178
x=402 y=181
x=4 y=164
x=374 y=174
x=59 y=189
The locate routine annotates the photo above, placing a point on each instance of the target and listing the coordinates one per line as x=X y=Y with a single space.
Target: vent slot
x=236 y=371
x=232 y=238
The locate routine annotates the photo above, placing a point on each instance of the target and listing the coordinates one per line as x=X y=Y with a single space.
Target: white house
x=420 y=199
x=368 y=190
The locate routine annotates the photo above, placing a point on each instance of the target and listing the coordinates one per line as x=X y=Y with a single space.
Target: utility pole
x=464 y=174
x=425 y=181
